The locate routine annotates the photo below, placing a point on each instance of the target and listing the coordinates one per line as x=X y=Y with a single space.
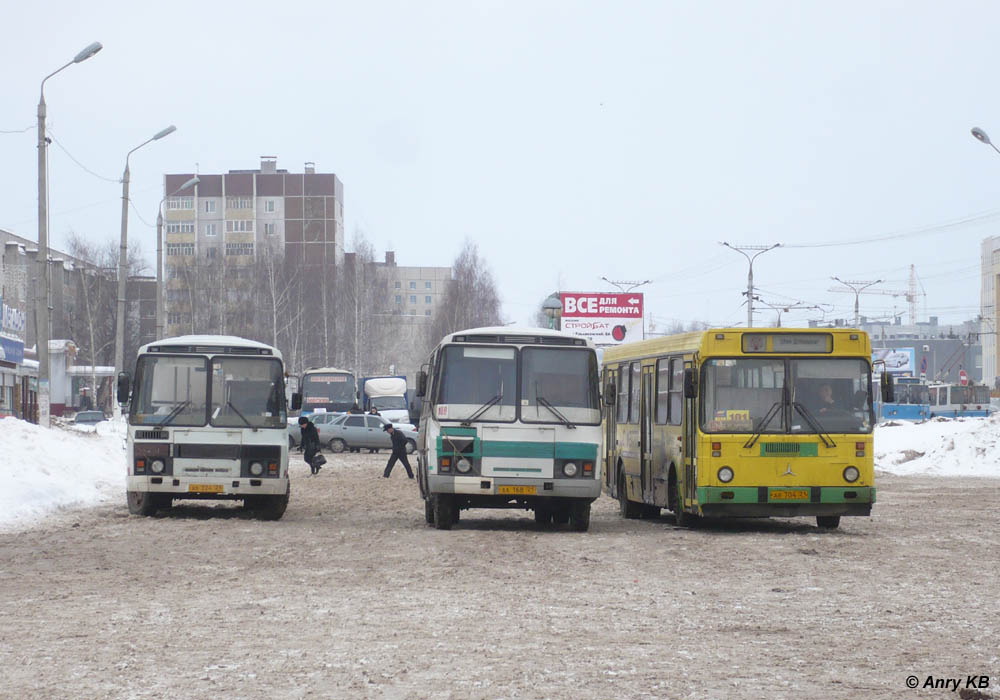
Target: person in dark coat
x=309 y=442
x=398 y=451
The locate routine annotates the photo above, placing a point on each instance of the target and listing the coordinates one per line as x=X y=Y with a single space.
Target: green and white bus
x=207 y=419
x=511 y=419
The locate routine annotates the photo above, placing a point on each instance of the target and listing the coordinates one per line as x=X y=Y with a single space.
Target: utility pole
x=626 y=286
x=743 y=250
x=857 y=286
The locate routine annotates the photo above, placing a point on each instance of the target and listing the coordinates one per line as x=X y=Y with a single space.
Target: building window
x=211 y=229
x=180 y=227
x=399 y=299
x=180 y=248
x=269 y=205
x=427 y=300
x=180 y=202
x=427 y=285
x=210 y=253
x=239 y=248
x=269 y=229
x=239 y=226
x=413 y=285
x=175 y=318
x=427 y=313
x=399 y=285
x=413 y=298
x=238 y=203
x=209 y=206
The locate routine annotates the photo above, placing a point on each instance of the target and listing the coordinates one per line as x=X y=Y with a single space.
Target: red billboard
x=605 y=318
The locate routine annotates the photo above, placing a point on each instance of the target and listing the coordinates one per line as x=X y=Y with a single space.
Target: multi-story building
x=415 y=291
x=989 y=307
x=217 y=230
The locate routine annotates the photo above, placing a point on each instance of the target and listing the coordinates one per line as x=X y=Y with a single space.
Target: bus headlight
x=463 y=465
x=157 y=466
x=256 y=468
x=725 y=475
x=569 y=469
x=851 y=474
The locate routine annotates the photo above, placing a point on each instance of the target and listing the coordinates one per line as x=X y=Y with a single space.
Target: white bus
x=207 y=419
x=511 y=419
x=328 y=390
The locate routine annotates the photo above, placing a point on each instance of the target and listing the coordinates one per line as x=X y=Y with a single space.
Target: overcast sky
x=568 y=140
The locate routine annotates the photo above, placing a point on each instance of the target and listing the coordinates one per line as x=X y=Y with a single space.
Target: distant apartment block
x=234 y=218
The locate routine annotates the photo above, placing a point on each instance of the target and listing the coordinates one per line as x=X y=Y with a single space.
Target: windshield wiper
x=249 y=424
x=543 y=401
x=772 y=412
x=814 y=424
x=174 y=413
x=481 y=410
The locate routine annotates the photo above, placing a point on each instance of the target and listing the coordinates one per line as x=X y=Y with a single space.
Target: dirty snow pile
x=42 y=471
x=940 y=447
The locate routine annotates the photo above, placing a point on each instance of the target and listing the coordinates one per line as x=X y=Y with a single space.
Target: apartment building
x=217 y=229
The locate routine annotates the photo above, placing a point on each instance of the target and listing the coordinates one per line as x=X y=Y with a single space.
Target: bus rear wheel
x=143 y=502
x=828 y=522
x=579 y=517
x=443 y=506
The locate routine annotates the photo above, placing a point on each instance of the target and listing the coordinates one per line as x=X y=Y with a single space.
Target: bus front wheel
x=143 y=503
x=543 y=515
x=579 y=517
x=828 y=522
x=429 y=511
x=273 y=507
x=443 y=515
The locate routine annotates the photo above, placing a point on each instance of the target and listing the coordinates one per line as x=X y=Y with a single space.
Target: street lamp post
x=159 y=253
x=42 y=276
x=123 y=263
x=857 y=287
x=742 y=249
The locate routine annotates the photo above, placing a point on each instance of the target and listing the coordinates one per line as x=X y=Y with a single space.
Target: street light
x=984 y=138
x=159 y=253
x=42 y=276
x=857 y=287
x=761 y=249
x=123 y=263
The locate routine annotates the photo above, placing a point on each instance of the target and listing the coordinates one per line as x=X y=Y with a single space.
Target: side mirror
x=610 y=395
x=690 y=383
x=296 y=401
x=421 y=383
x=124 y=387
x=888 y=388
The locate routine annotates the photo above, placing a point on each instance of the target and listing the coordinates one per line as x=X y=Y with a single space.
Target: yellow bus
x=741 y=423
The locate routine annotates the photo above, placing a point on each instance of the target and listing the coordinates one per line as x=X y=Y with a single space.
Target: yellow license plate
x=204 y=488
x=790 y=495
x=517 y=490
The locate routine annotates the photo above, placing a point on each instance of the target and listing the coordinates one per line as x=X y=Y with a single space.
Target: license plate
x=790 y=495
x=204 y=488
x=517 y=490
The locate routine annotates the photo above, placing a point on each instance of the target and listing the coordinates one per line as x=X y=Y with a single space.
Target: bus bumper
x=754 y=501
x=589 y=488
x=218 y=488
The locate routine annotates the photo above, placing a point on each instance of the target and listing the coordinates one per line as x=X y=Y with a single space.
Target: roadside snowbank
x=940 y=447
x=42 y=471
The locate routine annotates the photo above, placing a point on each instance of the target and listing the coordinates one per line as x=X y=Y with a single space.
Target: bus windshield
x=170 y=390
x=247 y=392
x=328 y=390
x=563 y=378
x=473 y=376
x=781 y=395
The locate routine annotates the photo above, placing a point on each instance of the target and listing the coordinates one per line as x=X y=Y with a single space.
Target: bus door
x=690 y=441
x=610 y=426
x=646 y=433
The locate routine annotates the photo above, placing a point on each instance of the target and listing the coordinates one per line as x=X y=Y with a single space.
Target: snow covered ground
x=43 y=471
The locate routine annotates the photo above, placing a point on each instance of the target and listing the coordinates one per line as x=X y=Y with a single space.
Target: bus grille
x=151 y=435
x=788 y=449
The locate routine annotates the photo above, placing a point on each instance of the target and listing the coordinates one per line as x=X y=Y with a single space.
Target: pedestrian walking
x=398 y=451
x=309 y=442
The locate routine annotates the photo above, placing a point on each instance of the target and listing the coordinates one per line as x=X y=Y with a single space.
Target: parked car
x=366 y=431
x=323 y=423
x=89 y=417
